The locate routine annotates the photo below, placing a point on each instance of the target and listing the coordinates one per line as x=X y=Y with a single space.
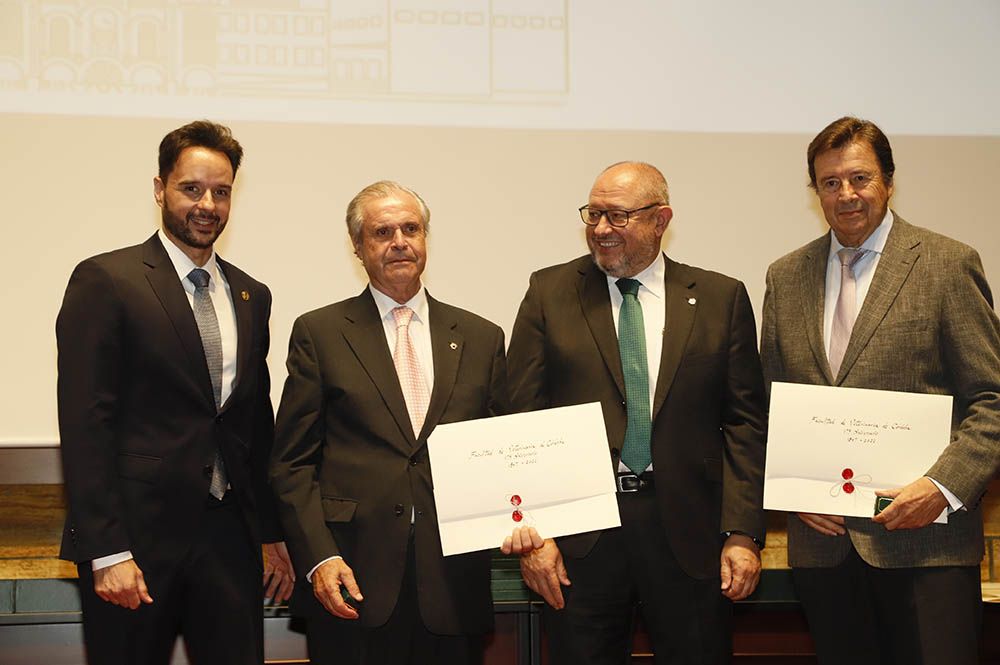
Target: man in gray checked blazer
x=897 y=588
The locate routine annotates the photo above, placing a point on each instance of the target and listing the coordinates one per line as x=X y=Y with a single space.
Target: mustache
x=203 y=217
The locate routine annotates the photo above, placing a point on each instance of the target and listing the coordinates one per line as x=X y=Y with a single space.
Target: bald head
x=644 y=180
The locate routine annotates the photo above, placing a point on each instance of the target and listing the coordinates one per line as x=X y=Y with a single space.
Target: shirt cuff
x=309 y=575
x=110 y=560
x=954 y=503
x=756 y=542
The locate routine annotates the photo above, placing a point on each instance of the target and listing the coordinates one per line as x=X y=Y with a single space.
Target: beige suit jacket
x=927 y=325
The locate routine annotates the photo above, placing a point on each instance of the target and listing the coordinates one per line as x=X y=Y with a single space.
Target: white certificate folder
x=549 y=469
x=829 y=449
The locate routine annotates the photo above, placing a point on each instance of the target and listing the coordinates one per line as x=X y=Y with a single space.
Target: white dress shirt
x=652 y=296
x=225 y=312
x=864 y=271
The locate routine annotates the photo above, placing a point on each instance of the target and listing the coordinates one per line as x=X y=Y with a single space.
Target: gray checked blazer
x=927 y=325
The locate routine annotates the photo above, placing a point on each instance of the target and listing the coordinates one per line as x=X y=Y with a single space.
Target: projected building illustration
x=492 y=50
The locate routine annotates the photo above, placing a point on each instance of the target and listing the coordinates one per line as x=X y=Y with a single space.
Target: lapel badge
x=692 y=301
x=453 y=346
x=245 y=295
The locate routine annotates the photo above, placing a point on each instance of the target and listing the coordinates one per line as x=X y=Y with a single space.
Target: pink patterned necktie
x=845 y=312
x=411 y=377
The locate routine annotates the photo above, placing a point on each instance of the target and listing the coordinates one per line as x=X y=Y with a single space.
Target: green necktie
x=632 y=348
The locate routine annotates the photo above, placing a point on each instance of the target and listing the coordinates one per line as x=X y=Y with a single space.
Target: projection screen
x=499 y=112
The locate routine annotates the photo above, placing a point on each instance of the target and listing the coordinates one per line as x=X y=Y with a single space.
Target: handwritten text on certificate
x=829 y=449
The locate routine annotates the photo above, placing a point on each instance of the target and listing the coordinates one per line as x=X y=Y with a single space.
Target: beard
x=183 y=229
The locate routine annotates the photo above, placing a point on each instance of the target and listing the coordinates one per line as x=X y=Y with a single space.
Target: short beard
x=182 y=230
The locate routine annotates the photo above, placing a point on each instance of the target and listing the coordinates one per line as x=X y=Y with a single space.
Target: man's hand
x=523 y=539
x=544 y=573
x=279 y=577
x=828 y=525
x=122 y=584
x=327 y=581
x=914 y=506
x=740 y=566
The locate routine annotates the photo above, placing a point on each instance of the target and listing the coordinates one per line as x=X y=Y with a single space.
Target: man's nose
x=603 y=226
x=207 y=201
x=398 y=239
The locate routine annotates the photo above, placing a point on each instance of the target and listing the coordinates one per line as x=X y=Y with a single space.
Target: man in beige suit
x=878 y=303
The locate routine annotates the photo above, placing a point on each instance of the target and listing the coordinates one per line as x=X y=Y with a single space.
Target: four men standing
x=166 y=430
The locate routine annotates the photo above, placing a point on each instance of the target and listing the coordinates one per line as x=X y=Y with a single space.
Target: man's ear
x=663 y=216
x=158 y=189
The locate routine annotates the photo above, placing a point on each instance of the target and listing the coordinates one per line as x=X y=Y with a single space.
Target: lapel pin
x=692 y=301
x=453 y=346
x=245 y=295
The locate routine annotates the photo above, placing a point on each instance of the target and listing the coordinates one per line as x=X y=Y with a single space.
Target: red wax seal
x=848 y=488
x=515 y=500
x=847 y=474
x=516 y=516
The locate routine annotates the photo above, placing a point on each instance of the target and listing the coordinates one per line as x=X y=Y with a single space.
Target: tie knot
x=628 y=286
x=199 y=278
x=402 y=316
x=849 y=256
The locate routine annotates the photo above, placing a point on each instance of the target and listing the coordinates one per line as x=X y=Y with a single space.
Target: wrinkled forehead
x=397 y=208
x=855 y=156
x=620 y=186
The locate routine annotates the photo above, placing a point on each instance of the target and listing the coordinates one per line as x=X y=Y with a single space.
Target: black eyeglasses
x=619 y=218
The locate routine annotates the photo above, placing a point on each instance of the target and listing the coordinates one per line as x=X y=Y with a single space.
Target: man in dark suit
x=368 y=380
x=685 y=425
x=879 y=303
x=166 y=424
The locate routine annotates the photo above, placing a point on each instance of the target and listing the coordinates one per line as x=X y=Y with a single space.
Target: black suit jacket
x=137 y=417
x=708 y=407
x=347 y=468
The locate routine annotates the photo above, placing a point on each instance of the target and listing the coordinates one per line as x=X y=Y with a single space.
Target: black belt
x=630 y=482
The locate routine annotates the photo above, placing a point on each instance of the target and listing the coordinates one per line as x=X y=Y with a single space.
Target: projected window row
x=471 y=49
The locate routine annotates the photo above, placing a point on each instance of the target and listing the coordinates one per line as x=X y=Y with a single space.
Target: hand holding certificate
x=548 y=469
x=830 y=449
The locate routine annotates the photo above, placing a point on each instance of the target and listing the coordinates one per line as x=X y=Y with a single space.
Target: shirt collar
x=651 y=278
x=183 y=263
x=875 y=244
x=385 y=304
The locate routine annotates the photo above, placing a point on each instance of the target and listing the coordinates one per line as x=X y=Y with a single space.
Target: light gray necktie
x=211 y=341
x=845 y=312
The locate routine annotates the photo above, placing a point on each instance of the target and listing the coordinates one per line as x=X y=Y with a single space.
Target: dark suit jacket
x=137 y=416
x=708 y=408
x=347 y=468
x=927 y=326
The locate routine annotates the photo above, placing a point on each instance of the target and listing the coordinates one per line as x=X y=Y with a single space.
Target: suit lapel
x=898 y=257
x=447 y=344
x=596 y=305
x=162 y=277
x=678 y=320
x=812 y=276
x=244 y=322
x=366 y=336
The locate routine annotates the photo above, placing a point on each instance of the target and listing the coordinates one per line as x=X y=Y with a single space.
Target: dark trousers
x=213 y=597
x=688 y=620
x=402 y=640
x=864 y=615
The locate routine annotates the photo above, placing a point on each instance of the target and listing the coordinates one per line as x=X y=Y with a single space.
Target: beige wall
x=503 y=202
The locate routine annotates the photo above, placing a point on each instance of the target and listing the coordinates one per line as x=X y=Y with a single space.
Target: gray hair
x=373 y=192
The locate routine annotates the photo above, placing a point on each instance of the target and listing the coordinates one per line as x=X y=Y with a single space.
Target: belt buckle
x=628 y=482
